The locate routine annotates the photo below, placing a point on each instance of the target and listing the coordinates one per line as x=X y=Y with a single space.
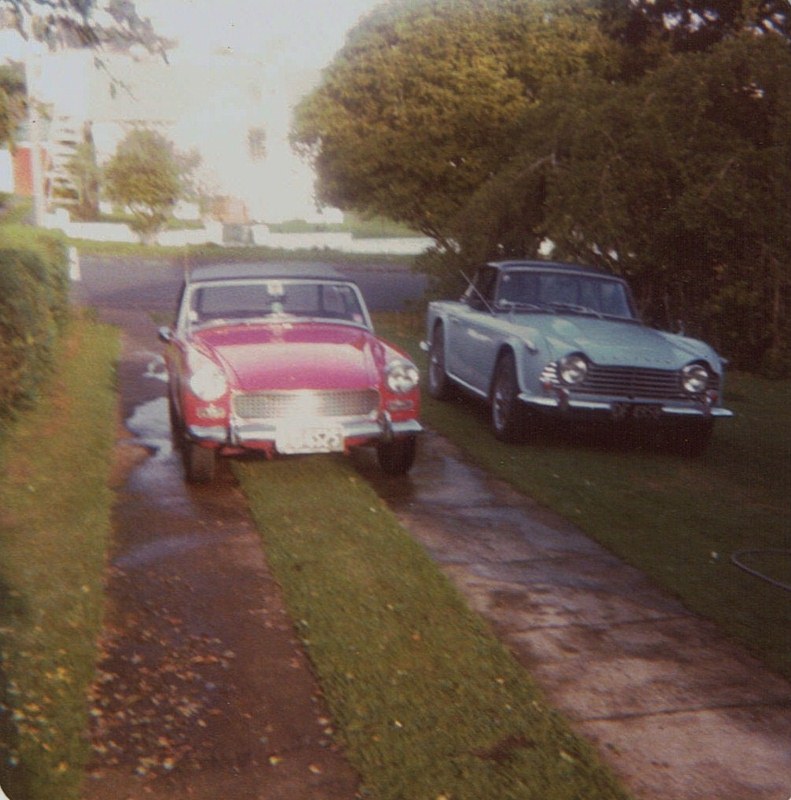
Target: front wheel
x=438 y=381
x=200 y=463
x=397 y=457
x=506 y=410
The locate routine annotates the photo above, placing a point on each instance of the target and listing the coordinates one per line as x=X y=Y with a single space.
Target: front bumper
x=622 y=407
x=265 y=434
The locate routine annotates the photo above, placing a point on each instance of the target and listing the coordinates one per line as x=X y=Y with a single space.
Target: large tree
x=425 y=101
x=148 y=176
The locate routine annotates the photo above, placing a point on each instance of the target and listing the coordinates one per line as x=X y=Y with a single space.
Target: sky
x=287 y=43
x=280 y=46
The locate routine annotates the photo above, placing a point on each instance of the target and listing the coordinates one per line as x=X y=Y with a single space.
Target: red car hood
x=294 y=356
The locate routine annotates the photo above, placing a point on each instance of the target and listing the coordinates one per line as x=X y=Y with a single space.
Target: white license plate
x=294 y=439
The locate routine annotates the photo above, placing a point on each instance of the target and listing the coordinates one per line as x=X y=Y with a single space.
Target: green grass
x=427 y=701
x=678 y=519
x=209 y=253
x=54 y=525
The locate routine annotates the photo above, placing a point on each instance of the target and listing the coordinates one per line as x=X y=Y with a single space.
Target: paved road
x=677 y=710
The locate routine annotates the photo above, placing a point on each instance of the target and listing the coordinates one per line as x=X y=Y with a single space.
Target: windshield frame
x=188 y=319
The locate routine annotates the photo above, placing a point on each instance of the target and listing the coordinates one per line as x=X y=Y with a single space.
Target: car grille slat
x=633 y=382
x=279 y=405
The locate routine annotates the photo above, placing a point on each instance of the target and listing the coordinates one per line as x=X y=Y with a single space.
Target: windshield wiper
x=576 y=309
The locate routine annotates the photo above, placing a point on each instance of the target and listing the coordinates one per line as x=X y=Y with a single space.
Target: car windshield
x=562 y=292
x=244 y=301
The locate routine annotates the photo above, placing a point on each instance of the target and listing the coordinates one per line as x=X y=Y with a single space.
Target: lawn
x=426 y=700
x=54 y=526
x=680 y=520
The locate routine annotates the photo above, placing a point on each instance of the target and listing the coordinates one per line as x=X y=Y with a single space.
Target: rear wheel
x=397 y=457
x=438 y=381
x=200 y=463
x=507 y=414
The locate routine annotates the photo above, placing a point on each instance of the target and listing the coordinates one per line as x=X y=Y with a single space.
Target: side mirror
x=165 y=335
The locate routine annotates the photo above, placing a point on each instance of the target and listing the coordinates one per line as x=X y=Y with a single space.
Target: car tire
x=200 y=463
x=176 y=425
x=398 y=456
x=507 y=413
x=439 y=386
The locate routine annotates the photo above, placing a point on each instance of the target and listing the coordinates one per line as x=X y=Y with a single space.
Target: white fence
x=212 y=233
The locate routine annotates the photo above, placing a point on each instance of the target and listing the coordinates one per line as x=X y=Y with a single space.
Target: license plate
x=294 y=439
x=636 y=411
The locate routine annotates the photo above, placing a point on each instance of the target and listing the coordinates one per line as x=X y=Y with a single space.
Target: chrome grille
x=630 y=382
x=279 y=405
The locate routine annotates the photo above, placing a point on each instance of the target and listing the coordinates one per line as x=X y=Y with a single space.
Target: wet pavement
x=203 y=690
x=677 y=710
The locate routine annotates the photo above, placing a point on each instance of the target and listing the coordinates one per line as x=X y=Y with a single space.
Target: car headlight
x=573 y=368
x=695 y=378
x=402 y=376
x=207 y=381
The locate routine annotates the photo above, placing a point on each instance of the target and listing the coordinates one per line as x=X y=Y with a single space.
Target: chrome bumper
x=570 y=404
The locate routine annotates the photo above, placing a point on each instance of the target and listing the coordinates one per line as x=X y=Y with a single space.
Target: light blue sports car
x=541 y=339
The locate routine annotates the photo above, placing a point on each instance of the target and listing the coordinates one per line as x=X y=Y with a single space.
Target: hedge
x=34 y=307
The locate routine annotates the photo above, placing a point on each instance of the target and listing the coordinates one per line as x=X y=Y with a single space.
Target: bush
x=33 y=311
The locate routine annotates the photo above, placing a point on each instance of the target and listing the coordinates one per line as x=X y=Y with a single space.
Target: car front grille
x=630 y=382
x=279 y=405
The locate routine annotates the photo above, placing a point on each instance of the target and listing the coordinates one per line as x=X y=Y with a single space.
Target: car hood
x=288 y=356
x=620 y=343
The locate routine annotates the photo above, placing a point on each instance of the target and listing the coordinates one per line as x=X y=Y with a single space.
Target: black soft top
x=296 y=269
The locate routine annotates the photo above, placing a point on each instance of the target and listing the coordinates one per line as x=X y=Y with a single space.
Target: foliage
x=424 y=101
x=12 y=99
x=692 y=25
x=73 y=23
x=149 y=176
x=33 y=310
x=55 y=460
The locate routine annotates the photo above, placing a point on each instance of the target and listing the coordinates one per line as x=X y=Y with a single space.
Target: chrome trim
x=371 y=429
x=571 y=404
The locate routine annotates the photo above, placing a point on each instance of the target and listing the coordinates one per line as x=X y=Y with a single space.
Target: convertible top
x=297 y=269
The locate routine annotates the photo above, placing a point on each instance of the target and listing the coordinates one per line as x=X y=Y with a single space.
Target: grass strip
x=55 y=506
x=677 y=519
x=428 y=703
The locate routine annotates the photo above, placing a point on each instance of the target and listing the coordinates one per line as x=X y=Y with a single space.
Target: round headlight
x=695 y=378
x=402 y=376
x=207 y=381
x=572 y=369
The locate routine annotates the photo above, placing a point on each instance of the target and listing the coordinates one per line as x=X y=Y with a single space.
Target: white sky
x=283 y=44
x=289 y=41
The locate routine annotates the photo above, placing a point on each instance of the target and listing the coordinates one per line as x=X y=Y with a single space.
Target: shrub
x=33 y=311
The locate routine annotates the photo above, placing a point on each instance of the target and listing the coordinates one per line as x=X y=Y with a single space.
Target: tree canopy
x=147 y=175
x=499 y=127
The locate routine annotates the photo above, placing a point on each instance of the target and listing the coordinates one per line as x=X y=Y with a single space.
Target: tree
x=73 y=23
x=693 y=25
x=425 y=101
x=12 y=99
x=147 y=175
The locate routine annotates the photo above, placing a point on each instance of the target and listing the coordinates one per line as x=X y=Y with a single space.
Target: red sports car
x=283 y=359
